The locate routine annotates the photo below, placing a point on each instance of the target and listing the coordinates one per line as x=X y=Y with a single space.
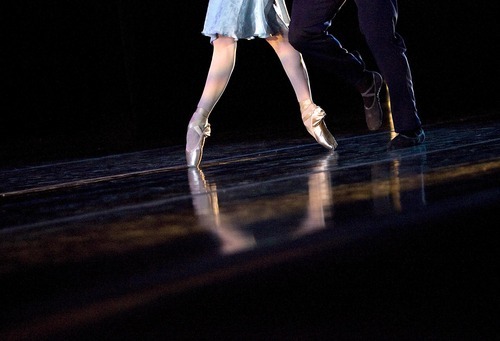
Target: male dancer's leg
x=310 y=20
x=377 y=21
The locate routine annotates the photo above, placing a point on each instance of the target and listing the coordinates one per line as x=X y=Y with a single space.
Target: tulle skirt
x=244 y=19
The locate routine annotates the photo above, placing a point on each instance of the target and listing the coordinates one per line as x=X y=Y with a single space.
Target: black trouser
x=377 y=22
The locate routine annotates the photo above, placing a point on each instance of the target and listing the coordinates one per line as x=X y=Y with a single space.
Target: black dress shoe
x=407 y=139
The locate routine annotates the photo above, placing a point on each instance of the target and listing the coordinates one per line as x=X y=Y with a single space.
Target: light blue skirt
x=245 y=19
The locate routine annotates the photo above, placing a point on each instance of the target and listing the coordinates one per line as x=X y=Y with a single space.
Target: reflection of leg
x=399 y=185
x=295 y=69
x=206 y=205
x=205 y=199
x=320 y=196
x=408 y=182
x=221 y=68
x=382 y=189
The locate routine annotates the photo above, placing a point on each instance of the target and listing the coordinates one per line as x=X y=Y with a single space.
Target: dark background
x=88 y=77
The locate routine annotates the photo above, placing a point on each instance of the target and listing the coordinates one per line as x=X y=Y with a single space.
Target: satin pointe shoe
x=197 y=132
x=313 y=118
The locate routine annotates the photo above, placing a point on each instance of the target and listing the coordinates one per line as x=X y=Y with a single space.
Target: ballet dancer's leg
x=295 y=69
x=219 y=73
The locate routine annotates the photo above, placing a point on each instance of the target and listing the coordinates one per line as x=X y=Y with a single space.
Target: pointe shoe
x=195 y=140
x=313 y=118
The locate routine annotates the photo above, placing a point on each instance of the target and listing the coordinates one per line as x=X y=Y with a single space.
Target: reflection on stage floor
x=122 y=244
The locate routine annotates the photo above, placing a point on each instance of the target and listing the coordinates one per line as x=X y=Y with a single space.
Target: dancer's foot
x=406 y=139
x=198 y=130
x=371 y=99
x=313 y=118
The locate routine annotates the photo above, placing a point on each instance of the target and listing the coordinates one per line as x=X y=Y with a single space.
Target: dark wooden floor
x=275 y=239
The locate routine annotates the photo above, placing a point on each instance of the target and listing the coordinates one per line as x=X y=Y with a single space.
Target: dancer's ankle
x=305 y=104
x=199 y=116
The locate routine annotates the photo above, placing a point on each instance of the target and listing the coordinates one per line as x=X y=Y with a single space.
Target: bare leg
x=293 y=65
x=295 y=69
x=221 y=68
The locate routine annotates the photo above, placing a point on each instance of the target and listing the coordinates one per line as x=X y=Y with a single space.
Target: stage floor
x=270 y=239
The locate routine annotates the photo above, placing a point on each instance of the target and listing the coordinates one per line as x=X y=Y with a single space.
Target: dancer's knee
x=301 y=38
x=298 y=37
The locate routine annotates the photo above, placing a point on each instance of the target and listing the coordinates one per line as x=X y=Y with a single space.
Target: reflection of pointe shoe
x=197 y=182
x=326 y=163
x=313 y=118
x=204 y=195
x=195 y=140
x=320 y=204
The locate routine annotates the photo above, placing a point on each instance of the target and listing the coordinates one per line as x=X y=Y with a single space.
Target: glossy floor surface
x=275 y=239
